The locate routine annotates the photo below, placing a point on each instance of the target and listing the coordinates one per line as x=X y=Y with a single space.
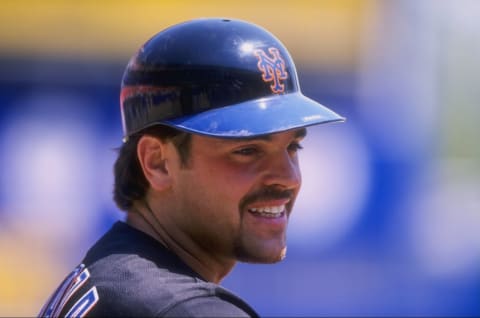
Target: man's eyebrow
x=301 y=133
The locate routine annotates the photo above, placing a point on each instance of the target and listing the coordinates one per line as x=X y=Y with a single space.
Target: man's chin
x=267 y=258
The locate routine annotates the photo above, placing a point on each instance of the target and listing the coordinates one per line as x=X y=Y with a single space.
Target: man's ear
x=151 y=153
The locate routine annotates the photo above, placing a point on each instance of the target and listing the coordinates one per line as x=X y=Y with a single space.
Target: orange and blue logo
x=272 y=68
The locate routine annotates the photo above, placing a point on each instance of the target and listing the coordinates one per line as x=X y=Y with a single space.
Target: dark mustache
x=265 y=194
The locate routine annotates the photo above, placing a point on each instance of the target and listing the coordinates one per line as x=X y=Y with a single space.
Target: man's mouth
x=269 y=211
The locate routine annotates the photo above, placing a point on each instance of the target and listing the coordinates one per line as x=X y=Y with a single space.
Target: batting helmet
x=216 y=77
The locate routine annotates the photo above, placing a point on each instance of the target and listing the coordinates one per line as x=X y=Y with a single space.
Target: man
x=208 y=174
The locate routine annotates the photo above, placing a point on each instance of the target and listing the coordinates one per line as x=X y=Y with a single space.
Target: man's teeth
x=269 y=210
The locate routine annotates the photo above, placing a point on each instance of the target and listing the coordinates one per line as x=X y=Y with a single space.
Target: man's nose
x=283 y=171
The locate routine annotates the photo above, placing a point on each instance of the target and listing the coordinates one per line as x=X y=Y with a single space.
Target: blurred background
x=388 y=221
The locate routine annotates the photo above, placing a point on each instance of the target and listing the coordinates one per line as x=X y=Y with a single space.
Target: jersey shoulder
x=138 y=278
x=82 y=294
x=211 y=306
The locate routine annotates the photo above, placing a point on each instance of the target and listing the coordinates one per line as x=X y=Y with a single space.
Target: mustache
x=265 y=194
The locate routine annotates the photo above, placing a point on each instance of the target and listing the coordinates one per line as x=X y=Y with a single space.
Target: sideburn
x=182 y=143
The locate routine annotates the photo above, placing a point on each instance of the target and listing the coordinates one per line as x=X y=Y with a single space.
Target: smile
x=269 y=211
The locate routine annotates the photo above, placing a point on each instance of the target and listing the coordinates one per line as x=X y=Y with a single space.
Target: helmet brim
x=257 y=117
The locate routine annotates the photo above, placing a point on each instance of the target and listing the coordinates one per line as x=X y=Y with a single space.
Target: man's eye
x=247 y=151
x=294 y=146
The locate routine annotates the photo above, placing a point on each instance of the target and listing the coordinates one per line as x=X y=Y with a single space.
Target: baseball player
x=213 y=118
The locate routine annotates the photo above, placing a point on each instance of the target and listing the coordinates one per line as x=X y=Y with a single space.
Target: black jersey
x=127 y=273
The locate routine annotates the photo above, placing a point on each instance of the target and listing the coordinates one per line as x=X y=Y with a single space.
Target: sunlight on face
x=235 y=197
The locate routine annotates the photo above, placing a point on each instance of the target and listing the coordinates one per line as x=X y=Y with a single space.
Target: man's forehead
x=295 y=133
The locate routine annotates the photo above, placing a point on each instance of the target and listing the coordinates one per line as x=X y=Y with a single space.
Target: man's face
x=234 y=197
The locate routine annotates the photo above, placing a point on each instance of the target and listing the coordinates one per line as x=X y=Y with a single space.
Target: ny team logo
x=272 y=68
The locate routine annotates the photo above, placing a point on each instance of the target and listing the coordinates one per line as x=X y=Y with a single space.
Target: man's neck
x=209 y=268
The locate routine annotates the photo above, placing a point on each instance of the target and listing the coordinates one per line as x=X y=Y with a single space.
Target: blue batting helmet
x=216 y=77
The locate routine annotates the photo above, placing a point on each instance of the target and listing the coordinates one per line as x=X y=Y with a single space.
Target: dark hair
x=130 y=183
